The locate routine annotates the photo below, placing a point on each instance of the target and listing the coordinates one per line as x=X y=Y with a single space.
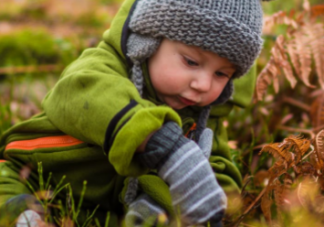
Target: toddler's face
x=185 y=75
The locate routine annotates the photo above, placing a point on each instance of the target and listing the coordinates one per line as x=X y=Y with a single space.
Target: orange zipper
x=192 y=128
x=44 y=142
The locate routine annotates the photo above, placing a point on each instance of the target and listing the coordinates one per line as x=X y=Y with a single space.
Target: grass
x=45 y=32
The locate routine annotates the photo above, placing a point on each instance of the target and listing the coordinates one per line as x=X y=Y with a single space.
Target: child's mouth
x=186 y=101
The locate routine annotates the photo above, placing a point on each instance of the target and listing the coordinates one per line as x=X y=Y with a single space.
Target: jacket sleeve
x=95 y=101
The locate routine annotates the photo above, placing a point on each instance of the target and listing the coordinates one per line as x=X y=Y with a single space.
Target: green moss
x=27 y=47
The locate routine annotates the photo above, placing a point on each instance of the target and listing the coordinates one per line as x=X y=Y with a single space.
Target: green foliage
x=69 y=212
x=27 y=47
x=270 y=8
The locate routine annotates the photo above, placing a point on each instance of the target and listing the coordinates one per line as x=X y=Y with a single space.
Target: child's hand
x=144 y=211
x=181 y=163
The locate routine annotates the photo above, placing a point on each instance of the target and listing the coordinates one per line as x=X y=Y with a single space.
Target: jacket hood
x=119 y=31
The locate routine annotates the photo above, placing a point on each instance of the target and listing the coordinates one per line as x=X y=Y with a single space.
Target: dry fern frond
x=293 y=54
x=280 y=17
x=317 y=160
x=306 y=168
x=278 y=61
x=315 y=33
x=277 y=169
x=281 y=190
x=278 y=150
x=283 y=61
x=261 y=178
x=264 y=80
x=317 y=113
x=300 y=47
x=299 y=145
x=304 y=40
x=319 y=144
x=266 y=202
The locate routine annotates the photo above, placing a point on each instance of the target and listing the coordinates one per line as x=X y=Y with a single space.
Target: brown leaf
x=300 y=53
x=278 y=168
x=278 y=18
x=319 y=149
x=281 y=191
x=317 y=113
x=261 y=178
x=298 y=145
x=315 y=32
x=317 y=10
x=278 y=150
x=306 y=168
x=266 y=202
x=283 y=61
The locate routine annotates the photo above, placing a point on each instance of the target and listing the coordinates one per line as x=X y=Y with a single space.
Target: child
x=102 y=127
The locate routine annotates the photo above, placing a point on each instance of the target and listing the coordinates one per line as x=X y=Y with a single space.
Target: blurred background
x=39 y=38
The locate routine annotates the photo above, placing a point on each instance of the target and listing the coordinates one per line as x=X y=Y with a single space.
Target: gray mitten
x=28 y=218
x=181 y=163
x=144 y=211
x=206 y=142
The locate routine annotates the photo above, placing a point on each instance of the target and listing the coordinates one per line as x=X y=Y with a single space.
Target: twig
x=297 y=103
x=311 y=152
x=30 y=69
x=300 y=130
x=251 y=206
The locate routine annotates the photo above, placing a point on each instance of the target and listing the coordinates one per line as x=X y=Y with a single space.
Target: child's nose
x=202 y=82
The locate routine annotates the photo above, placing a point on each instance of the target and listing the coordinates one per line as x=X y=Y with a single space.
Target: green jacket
x=95 y=102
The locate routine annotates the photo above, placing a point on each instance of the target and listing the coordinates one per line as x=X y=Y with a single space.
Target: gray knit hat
x=229 y=28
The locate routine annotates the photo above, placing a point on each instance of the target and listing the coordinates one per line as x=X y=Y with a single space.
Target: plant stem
x=250 y=207
x=297 y=103
x=300 y=130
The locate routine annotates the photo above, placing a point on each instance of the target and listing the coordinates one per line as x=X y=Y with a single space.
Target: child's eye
x=220 y=74
x=191 y=62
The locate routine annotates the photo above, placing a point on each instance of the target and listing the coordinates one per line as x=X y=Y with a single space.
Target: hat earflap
x=139 y=48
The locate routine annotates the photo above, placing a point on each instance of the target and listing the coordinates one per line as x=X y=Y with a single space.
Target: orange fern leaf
x=282 y=190
x=278 y=61
x=319 y=145
x=300 y=53
x=278 y=168
x=293 y=54
x=315 y=32
x=261 y=178
x=265 y=78
x=278 y=150
x=317 y=113
x=299 y=146
x=279 y=18
x=317 y=10
x=283 y=60
x=306 y=168
x=266 y=202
